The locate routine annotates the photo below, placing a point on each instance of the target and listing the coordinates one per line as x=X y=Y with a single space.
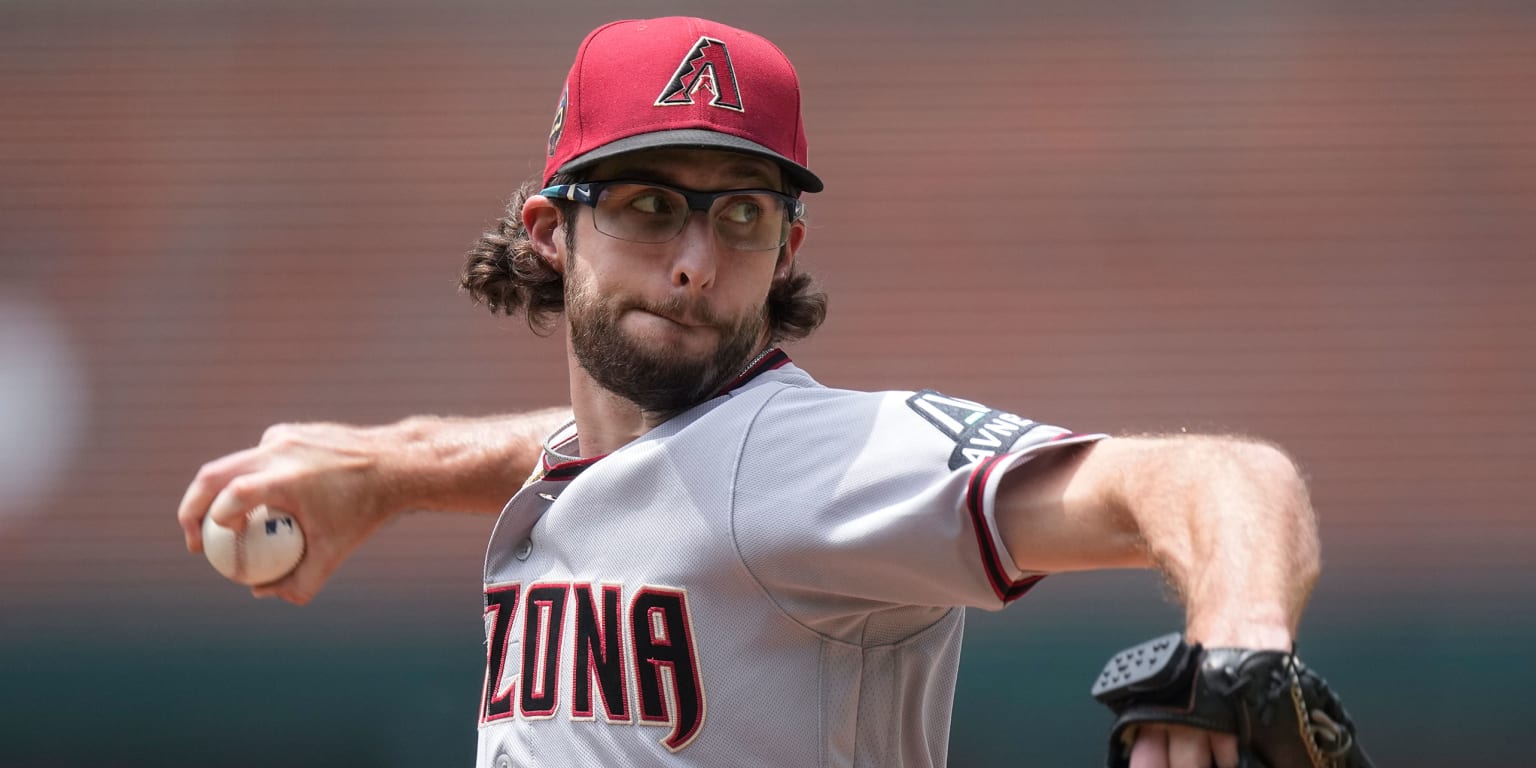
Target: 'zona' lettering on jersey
x=662 y=661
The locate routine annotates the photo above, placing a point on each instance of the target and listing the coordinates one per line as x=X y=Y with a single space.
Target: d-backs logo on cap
x=708 y=66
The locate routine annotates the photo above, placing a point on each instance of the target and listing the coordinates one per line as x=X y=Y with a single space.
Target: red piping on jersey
x=1007 y=590
x=568 y=470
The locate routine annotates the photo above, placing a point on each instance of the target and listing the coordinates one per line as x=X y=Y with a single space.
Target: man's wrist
x=1259 y=634
x=409 y=458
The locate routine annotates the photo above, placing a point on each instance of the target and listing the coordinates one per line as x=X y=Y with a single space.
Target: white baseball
x=271 y=546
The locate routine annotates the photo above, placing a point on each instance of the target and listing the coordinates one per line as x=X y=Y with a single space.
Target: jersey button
x=524 y=549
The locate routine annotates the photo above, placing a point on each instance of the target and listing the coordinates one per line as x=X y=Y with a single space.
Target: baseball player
x=715 y=560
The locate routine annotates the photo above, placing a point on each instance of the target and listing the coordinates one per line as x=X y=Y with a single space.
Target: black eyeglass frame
x=588 y=192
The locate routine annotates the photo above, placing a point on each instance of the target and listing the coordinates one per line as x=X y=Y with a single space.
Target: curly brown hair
x=504 y=272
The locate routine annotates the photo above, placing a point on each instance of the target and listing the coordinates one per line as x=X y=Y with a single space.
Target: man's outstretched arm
x=342 y=482
x=1227 y=521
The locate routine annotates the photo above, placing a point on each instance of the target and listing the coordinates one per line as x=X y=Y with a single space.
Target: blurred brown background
x=1315 y=222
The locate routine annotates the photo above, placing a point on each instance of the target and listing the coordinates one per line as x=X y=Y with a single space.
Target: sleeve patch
x=979 y=432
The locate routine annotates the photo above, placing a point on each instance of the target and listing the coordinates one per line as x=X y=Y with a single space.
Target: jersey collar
x=556 y=463
x=770 y=359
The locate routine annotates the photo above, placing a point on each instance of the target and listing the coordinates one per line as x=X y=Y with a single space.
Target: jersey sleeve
x=850 y=501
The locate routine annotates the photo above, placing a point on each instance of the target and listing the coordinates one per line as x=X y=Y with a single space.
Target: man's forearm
x=1230 y=524
x=465 y=464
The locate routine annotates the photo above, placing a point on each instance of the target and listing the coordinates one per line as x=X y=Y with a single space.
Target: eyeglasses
x=647 y=212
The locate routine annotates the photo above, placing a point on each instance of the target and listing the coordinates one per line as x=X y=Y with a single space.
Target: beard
x=659 y=381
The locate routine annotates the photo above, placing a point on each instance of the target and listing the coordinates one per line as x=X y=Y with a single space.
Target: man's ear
x=786 y=265
x=546 y=230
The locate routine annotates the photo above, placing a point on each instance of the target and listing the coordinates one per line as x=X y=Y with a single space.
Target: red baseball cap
x=679 y=82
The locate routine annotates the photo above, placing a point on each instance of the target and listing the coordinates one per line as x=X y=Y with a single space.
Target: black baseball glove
x=1283 y=713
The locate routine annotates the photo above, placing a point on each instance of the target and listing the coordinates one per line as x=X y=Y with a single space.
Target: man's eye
x=650 y=203
x=743 y=212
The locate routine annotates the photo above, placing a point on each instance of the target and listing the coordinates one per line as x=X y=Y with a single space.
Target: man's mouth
x=685 y=319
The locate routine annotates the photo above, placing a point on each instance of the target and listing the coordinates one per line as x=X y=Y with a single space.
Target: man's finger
x=1188 y=748
x=205 y=486
x=290 y=588
x=297 y=588
x=244 y=493
x=1151 y=748
x=1224 y=749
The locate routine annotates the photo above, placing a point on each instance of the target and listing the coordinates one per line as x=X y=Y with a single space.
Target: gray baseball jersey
x=776 y=576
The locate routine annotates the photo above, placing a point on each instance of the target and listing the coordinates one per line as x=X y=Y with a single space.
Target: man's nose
x=697 y=255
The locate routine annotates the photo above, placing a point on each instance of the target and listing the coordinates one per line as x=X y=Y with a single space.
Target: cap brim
x=798 y=174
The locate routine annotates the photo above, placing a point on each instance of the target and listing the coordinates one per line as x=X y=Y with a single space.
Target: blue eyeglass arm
x=580 y=193
x=587 y=193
